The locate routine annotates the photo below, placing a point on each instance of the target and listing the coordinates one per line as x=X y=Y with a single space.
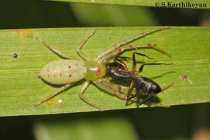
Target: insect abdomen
x=147 y=86
x=63 y=71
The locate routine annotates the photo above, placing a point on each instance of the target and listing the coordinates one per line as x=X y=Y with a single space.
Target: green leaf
x=20 y=88
x=89 y=127
x=112 y=15
x=152 y=3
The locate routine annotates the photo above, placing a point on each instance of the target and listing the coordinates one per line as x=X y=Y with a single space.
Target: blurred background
x=177 y=123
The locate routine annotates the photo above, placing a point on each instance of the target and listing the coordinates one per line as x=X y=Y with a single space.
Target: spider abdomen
x=63 y=71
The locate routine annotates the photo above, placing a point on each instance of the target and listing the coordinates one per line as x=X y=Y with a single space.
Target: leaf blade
x=20 y=88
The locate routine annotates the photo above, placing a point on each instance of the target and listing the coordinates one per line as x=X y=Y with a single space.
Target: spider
x=69 y=71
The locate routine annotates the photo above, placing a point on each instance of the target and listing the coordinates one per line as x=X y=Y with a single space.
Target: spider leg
x=124 y=42
x=117 y=51
x=83 y=55
x=55 y=50
x=85 y=85
x=111 y=88
x=54 y=93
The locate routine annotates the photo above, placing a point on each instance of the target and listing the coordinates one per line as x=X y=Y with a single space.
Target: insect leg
x=55 y=50
x=148 y=98
x=54 y=93
x=131 y=58
x=130 y=89
x=151 y=96
x=124 y=66
x=134 y=59
x=124 y=42
x=142 y=66
x=167 y=86
x=132 y=82
x=84 y=56
x=120 y=92
x=85 y=85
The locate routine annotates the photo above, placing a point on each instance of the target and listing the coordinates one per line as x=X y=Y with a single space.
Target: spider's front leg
x=117 y=48
x=83 y=55
x=129 y=47
x=53 y=49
